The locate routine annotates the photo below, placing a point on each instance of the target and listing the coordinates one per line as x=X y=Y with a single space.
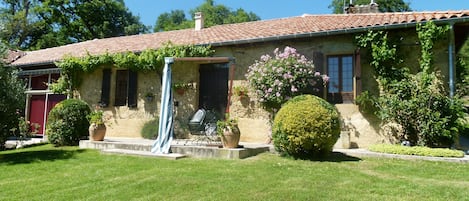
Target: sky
x=149 y=10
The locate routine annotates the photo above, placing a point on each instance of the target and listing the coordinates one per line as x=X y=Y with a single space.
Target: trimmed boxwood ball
x=150 y=129
x=306 y=127
x=67 y=122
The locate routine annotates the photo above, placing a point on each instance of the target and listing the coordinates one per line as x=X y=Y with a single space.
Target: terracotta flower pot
x=97 y=132
x=180 y=91
x=230 y=137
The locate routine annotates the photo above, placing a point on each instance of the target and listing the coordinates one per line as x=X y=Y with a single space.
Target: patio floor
x=179 y=148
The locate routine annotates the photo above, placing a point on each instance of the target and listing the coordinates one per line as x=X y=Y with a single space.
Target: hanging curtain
x=166 y=126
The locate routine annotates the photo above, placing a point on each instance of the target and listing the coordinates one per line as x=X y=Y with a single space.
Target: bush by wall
x=416 y=150
x=150 y=129
x=67 y=122
x=12 y=101
x=276 y=79
x=306 y=127
x=419 y=102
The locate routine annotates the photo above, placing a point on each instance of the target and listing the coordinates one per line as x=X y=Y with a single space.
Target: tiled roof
x=12 y=55
x=301 y=26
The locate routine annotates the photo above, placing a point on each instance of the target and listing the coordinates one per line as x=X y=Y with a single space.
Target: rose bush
x=278 y=78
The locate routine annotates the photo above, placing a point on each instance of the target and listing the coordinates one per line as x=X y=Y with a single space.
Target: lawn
x=48 y=173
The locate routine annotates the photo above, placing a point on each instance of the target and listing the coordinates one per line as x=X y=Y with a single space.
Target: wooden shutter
x=132 y=93
x=358 y=74
x=105 y=88
x=318 y=60
x=121 y=87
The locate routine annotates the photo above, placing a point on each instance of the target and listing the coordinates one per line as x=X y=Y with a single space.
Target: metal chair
x=204 y=124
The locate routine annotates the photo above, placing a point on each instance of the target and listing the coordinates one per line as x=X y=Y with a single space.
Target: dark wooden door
x=213 y=92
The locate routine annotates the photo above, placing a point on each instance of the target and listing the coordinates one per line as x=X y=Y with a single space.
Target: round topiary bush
x=67 y=122
x=306 y=127
x=150 y=129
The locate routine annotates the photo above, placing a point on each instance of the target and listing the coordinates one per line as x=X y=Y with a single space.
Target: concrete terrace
x=180 y=148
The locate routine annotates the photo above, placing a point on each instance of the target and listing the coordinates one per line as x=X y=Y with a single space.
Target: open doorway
x=214 y=87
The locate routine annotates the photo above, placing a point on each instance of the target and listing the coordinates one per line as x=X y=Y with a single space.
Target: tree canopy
x=214 y=14
x=337 y=6
x=38 y=24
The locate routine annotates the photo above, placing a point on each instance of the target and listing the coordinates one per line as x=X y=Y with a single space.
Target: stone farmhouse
x=328 y=40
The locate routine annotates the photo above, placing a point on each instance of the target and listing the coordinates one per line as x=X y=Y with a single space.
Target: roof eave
x=44 y=63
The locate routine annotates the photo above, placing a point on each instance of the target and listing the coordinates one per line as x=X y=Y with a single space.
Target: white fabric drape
x=162 y=144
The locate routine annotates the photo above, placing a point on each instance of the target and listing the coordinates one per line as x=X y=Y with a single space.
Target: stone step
x=172 y=156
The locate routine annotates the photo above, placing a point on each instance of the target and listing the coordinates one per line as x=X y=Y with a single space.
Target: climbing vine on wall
x=417 y=102
x=148 y=60
x=385 y=59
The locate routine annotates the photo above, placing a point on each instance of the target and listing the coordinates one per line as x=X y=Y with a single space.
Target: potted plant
x=240 y=91
x=149 y=96
x=97 y=129
x=229 y=132
x=180 y=87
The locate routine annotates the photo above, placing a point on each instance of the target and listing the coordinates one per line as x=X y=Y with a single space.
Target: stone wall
x=122 y=120
x=364 y=131
x=253 y=120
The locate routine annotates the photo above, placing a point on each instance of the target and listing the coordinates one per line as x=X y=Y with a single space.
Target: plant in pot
x=149 y=96
x=97 y=129
x=229 y=132
x=180 y=87
x=240 y=91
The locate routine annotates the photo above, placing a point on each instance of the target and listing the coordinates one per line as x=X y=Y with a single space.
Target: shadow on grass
x=32 y=156
x=338 y=157
x=331 y=157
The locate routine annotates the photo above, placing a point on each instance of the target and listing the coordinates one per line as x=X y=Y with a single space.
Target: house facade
x=328 y=40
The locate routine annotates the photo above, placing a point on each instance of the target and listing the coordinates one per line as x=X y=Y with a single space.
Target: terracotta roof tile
x=240 y=33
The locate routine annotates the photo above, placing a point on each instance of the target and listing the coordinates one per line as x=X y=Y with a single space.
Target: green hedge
x=150 y=129
x=306 y=127
x=416 y=150
x=67 y=122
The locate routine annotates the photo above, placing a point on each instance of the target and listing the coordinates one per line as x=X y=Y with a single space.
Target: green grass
x=48 y=173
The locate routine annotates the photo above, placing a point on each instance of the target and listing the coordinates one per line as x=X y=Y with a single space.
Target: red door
x=36 y=112
x=37 y=109
x=53 y=99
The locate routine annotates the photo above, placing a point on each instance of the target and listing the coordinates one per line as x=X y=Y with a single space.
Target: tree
x=34 y=24
x=213 y=15
x=19 y=28
x=12 y=101
x=384 y=5
x=174 y=20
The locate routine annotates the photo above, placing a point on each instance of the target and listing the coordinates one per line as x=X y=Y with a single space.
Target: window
x=126 y=88
x=341 y=73
x=40 y=82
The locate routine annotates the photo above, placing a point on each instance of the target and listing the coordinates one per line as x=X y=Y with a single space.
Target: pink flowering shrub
x=278 y=78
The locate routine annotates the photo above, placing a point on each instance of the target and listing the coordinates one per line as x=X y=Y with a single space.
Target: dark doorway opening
x=213 y=92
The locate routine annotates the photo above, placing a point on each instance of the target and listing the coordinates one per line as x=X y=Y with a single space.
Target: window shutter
x=120 y=98
x=132 y=93
x=105 y=88
x=358 y=73
x=318 y=60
